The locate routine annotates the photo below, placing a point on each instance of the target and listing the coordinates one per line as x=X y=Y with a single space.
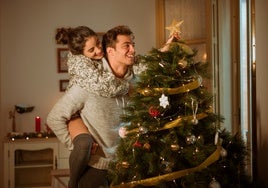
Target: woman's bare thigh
x=76 y=127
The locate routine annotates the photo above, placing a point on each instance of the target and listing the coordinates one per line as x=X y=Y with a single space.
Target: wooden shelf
x=33 y=166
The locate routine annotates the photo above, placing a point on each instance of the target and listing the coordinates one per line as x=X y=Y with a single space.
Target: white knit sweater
x=90 y=75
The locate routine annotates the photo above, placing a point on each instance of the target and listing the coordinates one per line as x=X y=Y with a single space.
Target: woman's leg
x=79 y=157
x=94 y=178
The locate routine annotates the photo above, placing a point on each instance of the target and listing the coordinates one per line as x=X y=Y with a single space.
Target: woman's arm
x=71 y=102
x=90 y=75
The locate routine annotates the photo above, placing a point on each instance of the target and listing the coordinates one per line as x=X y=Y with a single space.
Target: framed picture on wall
x=63 y=85
x=62 y=60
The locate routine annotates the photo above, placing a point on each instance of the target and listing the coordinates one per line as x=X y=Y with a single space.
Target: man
x=119 y=50
x=101 y=115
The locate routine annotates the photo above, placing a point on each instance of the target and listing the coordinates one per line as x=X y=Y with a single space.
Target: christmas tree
x=170 y=136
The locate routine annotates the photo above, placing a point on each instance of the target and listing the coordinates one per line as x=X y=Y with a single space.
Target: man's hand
x=94 y=148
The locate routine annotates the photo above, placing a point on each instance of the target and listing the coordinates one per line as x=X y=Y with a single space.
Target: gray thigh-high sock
x=79 y=158
x=94 y=178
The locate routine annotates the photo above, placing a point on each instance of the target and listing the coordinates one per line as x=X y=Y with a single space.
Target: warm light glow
x=205 y=57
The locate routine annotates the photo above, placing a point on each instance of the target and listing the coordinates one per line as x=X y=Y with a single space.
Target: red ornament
x=137 y=144
x=154 y=112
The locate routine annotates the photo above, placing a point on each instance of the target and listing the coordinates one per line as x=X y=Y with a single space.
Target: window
x=221 y=31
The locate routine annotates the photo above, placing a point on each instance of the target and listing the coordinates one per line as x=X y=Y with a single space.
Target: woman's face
x=93 y=48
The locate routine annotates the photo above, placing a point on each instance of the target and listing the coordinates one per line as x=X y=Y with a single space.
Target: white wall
x=28 y=50
x=28 y=55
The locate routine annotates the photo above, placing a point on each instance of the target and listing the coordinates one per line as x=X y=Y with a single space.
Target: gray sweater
x=100 y=114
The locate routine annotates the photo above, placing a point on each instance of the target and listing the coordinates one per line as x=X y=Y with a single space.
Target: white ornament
x=216 y=139
x=163 y=101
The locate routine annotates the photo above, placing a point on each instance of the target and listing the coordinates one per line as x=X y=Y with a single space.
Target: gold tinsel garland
x=174 y=175
x=172 y=91
x=176 y=123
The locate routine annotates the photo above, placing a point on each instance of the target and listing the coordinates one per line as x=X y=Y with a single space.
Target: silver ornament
x=214 y=184
x=143 y=130
x=125 y=164
x=182 y=63
x=174 y=147
x=223 y=152
x=166 y=166
x=194 y=121
x=200 y=139
x=191 y=139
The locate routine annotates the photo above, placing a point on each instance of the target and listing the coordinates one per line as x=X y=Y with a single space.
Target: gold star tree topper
x=174 y=28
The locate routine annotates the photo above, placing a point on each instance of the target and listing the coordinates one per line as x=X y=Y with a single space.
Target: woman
x=86 y=71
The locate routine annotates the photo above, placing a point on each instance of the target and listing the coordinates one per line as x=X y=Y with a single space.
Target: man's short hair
x=110 y=37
